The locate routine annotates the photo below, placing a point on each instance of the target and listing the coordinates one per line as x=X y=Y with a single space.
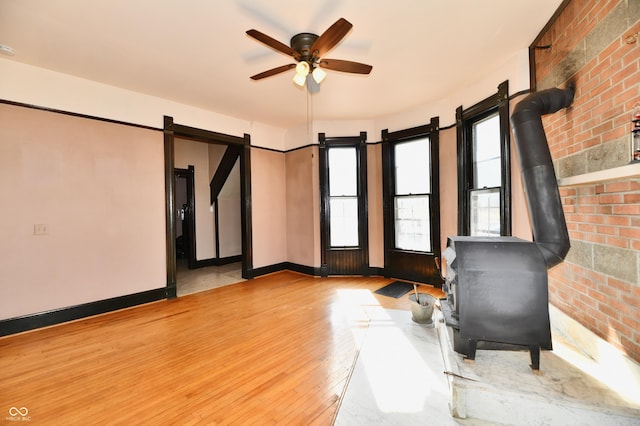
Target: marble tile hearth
x=408 y=373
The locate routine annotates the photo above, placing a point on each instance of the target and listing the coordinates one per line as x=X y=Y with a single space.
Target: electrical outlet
x=40 y=229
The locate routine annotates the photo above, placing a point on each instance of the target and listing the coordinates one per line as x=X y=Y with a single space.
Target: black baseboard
x=217 y=261
x=319 y=271
x=286 y=266
x=58 y=316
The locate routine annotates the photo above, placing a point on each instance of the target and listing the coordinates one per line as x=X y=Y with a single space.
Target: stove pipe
x=540 y=185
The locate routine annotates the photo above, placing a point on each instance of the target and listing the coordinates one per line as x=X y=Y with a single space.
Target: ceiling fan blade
x=345 y=66
x=330 y=38
x=273 y=43
x=273 y=71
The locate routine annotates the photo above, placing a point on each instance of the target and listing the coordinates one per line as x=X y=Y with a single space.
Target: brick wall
x=598 y=284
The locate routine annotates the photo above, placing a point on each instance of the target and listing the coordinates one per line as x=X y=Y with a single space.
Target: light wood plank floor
x=278 y=349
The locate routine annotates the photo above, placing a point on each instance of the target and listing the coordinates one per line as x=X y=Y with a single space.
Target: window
x=484 y=208
x=411 y=198
x=343 y=197
x=484 y=167
x=343 y=206
x=411 y=205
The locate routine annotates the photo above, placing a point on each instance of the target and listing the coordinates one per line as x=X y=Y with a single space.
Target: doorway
x=173 y=211
x=185 y=229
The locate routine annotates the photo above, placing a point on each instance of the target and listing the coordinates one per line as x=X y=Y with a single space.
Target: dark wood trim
x=462 y=159
x=246 y=208
x=189 y=174
x=172 y=131
x=202 y=135
x=505 y=146
x=415 y=266
x=434 y=136
x=75 y=114
x=303 y=269
x=58 y=316
x=347 y=260
x=217 y=261
x=170 y=207
x=497 y=102
x=216 y=224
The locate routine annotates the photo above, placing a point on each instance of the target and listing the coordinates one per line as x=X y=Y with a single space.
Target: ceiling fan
x=308 y=50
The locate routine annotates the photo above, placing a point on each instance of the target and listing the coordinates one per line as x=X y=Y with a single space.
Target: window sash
x=343 y=222
x=412 y=167
x=486 y=152
x=412 y=222
x=485 y=212
x=343 y=171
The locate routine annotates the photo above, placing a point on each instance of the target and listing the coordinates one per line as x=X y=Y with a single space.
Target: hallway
x=191 y=281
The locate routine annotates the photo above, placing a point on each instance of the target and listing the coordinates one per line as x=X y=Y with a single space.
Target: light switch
x=40 y=229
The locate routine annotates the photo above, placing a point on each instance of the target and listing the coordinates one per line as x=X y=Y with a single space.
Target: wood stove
x=497 y=291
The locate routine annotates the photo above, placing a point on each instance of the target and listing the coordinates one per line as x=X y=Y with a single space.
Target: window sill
x=630 y=170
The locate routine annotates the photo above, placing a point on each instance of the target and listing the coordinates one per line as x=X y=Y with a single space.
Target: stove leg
x=534 y=350
x=471 y=352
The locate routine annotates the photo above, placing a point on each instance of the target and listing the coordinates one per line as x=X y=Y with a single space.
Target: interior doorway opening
x=198 y=202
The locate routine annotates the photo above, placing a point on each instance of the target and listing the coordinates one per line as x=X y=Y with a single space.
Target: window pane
x=485 y=212
x=342 y=171
x=412 y=167
x=343 y=219
x=486 y=152
x=413 y=228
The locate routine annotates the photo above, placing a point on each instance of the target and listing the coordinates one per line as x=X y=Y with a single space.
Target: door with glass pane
x=344 y=230
x=411 y=204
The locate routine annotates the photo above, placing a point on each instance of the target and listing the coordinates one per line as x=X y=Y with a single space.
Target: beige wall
x=190 y=153
x=268 y=207
x=99 y=189
x=229 y=215
x=448 y=186
x=374 y=192
x=303 y=212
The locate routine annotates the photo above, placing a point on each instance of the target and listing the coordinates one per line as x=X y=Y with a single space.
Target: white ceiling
x=197 y=52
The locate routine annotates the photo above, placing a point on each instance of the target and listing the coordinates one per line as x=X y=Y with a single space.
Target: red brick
x=599 y=239
x=626 y=209
x=608 y=230
x=617 y=220
x=617 y=242
x=632 y=198
x=618 y=186
x=630 y=233
x=604 y=210
x=610 y=199
x=620 y=285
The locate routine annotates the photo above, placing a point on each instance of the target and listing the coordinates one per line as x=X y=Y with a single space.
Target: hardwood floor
x=274 y=350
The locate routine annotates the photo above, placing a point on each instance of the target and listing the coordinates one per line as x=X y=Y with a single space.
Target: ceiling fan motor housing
x=302 y=43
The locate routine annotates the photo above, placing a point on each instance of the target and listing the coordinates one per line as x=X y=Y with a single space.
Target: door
x=411 y=204
x=185 y=219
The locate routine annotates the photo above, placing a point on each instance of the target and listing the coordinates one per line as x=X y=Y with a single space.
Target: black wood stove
x=497 y=289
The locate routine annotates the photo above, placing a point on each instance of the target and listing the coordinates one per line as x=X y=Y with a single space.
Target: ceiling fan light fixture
x=302 y=68
x=319 y=75
x=312 y=85
x=299 y=79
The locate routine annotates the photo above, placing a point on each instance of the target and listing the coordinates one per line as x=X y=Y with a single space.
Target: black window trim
x=358 y=142
x=390 y=139
x=464 y=117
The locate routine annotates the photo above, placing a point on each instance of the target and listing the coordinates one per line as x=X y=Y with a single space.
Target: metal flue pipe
x=538 y=175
